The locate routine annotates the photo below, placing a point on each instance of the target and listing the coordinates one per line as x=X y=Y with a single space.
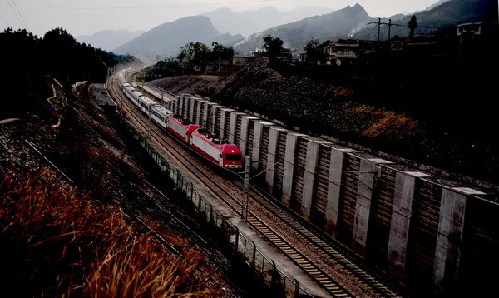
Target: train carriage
x=225 y=155
x=145 y=104
x=160 y=115
x=180 y=128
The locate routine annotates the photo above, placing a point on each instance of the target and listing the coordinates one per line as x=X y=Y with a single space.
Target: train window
x=233 y=157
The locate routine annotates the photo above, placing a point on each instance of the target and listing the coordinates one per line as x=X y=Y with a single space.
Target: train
x=216 y=151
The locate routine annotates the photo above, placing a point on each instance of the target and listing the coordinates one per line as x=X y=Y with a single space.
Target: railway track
x=330 y=250
x=263 y=207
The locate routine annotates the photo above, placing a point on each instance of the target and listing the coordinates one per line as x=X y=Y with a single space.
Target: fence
x=262 y=265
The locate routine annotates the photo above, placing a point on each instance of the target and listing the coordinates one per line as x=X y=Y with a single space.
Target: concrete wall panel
x=289 y=161
x=271 y=157
x=401 y=219
x=335 y=180
x=245 y=141
x=309 y=177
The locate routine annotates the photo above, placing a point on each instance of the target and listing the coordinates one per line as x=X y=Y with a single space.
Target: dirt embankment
x=319 y=107
x=79 y=237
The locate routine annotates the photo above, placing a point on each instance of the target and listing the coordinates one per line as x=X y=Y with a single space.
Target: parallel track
x=333 y=251
x=257 y=199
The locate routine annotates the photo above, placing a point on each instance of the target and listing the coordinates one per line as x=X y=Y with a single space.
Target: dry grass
x=210 y=78
x=384 y=124
x=66 y=246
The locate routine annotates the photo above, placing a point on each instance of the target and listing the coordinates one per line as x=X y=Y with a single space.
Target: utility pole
x=218 y=61
x=379 y=23
x=245 y=205
x=390 y=27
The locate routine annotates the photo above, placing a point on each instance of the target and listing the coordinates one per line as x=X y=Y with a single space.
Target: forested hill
x=440 y=19
x=332 y=26
x=28 y=58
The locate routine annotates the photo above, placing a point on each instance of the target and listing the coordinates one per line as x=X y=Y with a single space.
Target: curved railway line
x=326 y=262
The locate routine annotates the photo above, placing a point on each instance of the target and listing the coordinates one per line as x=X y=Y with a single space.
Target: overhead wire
x=4 y=21
x=152 y=6
x=15 y=10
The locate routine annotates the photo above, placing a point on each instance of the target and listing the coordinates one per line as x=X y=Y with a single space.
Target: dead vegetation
x=68 y=246
x=77 y=240
x=385 y=124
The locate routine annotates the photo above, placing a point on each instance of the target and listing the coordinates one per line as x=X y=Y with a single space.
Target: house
x=303 y=56
x=473 y=29
x=422 y=45
x=220 y=65
x=343 y=52
x=99 y=94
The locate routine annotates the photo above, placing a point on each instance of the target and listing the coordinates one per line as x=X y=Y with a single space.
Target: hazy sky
x=89 y=16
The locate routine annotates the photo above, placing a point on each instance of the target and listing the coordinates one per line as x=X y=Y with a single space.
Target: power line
x=148 y=7
x=5 y=22
x=15 y=10
x=379 y=23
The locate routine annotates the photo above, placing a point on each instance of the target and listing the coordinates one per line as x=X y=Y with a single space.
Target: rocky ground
x=91 y=155
x=323 y=108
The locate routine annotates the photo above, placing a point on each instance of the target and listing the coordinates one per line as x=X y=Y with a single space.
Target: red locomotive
x=225 y=155
x=218 y=152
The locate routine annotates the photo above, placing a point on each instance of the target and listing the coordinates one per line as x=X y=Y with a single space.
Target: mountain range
x=251 y=21
x=167 y=39
x=109 y=40
x=354 y=22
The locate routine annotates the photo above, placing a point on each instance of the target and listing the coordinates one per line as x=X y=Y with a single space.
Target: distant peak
x=193 y=19
x=267 y=9
x=357 y=7
x=223 y=9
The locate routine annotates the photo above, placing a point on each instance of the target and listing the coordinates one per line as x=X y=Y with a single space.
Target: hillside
x=167 y=39
x=354 y=116
x=331 y=26
x=56 y=54
x=73 y=195
x=437 y=19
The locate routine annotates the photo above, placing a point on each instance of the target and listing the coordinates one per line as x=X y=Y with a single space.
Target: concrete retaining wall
x=405 y=220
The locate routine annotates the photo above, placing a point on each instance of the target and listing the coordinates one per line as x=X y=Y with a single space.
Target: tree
x=272 y=45
x=226 y=53
x=198 y=54
x=194 y=53
x=221 y=52
x=57 y=54
x=315 y=51
x=413 y=24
